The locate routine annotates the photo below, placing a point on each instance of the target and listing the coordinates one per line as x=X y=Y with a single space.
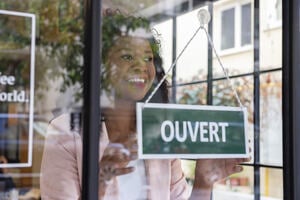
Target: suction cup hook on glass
x=203 y=17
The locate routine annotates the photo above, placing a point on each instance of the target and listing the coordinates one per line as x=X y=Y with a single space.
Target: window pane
x=278 y=6
x=228 y=29
x=270 y=28
x=58 y=95
x=246 y=24
x=194 y=94
x=239 y=58
x=271 y=119
x=54 y=66
x=223 y=95
x=271 y=183
x=192 y=65
x=237 y=186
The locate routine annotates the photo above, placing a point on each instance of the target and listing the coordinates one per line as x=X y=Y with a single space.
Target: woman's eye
x=148 y=59
x=127 y=57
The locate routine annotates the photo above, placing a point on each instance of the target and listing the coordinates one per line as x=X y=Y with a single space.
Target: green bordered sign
x=191 y=131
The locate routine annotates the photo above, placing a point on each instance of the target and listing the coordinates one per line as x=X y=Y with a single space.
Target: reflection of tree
x=223 y=94
x=59 y=53
x=59 y=38
x=194 y=94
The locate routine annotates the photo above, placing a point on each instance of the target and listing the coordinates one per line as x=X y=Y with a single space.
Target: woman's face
x=132 y=68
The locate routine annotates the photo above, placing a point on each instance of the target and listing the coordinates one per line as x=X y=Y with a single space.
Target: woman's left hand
x=209 y=171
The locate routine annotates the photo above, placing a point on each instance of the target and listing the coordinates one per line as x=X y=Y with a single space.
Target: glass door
x=84 y=84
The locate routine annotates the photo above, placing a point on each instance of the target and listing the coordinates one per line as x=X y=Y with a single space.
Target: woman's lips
x=137 y=82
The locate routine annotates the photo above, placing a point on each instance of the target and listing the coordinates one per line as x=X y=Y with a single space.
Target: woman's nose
x=140 y=65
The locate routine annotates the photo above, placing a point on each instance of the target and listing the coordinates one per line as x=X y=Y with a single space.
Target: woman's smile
x=131 y=61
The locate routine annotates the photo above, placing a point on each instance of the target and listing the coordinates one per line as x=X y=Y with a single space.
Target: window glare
x=228 y=29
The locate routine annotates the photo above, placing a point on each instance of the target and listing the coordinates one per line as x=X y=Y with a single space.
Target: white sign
x=19 y=95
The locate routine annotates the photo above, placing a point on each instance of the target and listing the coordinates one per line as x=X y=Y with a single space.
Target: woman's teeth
x=136 y=80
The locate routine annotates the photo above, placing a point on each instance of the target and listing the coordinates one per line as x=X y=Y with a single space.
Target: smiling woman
x=131 y=69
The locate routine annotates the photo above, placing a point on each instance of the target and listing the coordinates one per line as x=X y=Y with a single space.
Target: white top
x=133 y=186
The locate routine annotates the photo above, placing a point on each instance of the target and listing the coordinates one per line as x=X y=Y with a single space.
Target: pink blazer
x=61 y=169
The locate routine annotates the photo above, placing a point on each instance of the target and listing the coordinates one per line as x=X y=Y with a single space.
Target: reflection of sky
x=194 y=57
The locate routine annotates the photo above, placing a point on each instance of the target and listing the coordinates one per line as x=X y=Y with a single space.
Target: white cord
x=204 y=18
x=225 y=72
x=172 y=66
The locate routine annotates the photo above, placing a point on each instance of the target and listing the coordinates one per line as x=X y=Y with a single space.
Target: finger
x=123 y=171
x=237 y=169
x=133 y=136
x=118 y=157
x=229 y=163
x=115 y=145
x=247 y=159
x=232 y=170
x=241 y=160
x=131 y=142
x=231 y=166
x=113 y=151
x=124 y=162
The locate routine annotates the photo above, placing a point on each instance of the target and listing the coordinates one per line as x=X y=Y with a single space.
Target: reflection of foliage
x=193 y=94
x=14 y=33
x=15 y=68
x=61 y=26
x=223 y=94
x=59 y=38
x=129 y=6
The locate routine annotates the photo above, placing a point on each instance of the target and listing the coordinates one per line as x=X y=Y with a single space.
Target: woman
x=130 y=72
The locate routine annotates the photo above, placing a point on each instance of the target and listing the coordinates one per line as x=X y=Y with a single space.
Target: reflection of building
x=235 y=37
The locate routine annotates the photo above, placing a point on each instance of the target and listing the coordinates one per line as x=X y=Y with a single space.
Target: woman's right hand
x=114 y=161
